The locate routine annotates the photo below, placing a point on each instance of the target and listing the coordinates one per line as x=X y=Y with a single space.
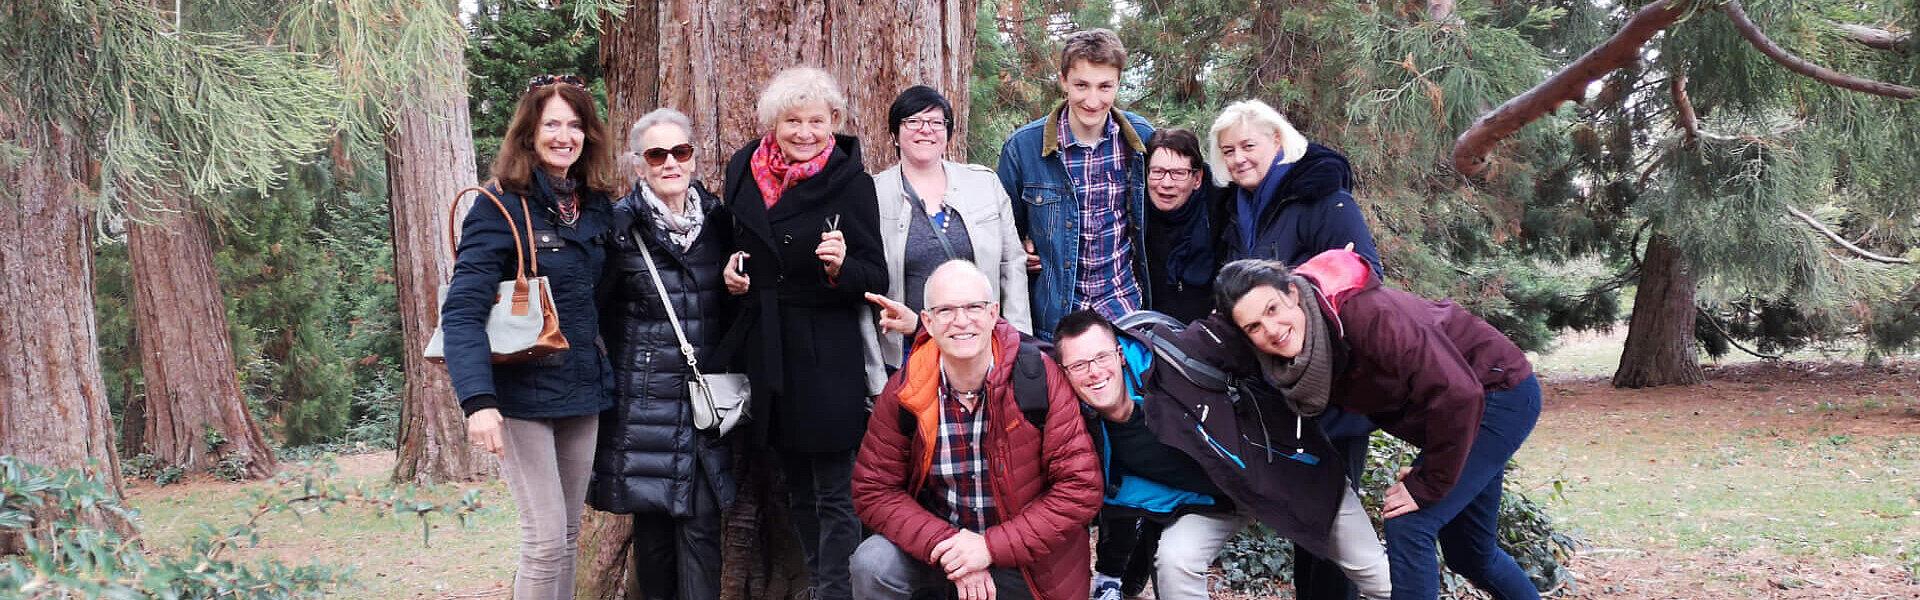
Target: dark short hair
x=1096 y=46
x=915 y=100
x=1078 y=323
x=1242 y=276
x=1184 y=143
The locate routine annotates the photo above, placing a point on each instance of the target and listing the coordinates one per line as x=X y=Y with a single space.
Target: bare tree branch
x=1683 y=108
x=1862 y=252
x=1470 y=150
x=1875 y=37
x=1729 y=337
x=1799 y=65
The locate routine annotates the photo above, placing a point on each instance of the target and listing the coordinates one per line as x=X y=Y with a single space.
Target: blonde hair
x=795 y=87
x=1256 y=115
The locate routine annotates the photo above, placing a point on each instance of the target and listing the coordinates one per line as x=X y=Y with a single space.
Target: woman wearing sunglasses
x=652 y=463
x=809 y=249
x=539 y=417
x=933 y=210
x=1430 y=373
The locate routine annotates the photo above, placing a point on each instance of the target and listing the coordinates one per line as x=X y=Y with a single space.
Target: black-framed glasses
x=540 y=81
x=947 y=313
x=1174 y=174
x=917 y=123
x=658 y=156
x=1104 y=358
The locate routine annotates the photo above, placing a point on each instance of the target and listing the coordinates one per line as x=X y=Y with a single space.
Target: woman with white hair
x=650 y=461
x=1291 y=200
x=808 y=239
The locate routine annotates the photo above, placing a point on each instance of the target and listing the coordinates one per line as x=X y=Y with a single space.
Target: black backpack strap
x=1151 y=327
x=1030 y=380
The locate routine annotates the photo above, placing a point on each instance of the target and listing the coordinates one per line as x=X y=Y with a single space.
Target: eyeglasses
x=919 y=123
x=540 y=81
x=1105 y=358
x=1174 y=174
x=946 y=314
x=658 y=156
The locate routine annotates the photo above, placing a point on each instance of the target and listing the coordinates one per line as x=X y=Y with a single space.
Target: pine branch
x=1729 y=337
x=1683 y=108
x=1800 y=65
x=1470 y=150
x=1861 y=252
x=1875 y=37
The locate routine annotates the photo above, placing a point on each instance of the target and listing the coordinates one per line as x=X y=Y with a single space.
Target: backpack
x=1153 y=329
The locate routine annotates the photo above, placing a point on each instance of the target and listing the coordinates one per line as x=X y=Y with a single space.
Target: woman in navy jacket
x=539 y=417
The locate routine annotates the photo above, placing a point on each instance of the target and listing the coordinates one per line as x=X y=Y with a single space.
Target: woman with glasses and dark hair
x=538 y=416
x=1179 y=229
x=933 y=210
x=668 y=233
x=1328 y=334
x=809 y=250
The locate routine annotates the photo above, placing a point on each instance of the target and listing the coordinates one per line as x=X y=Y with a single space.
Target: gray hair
x=1255 y=115
x=659 y=116
x=958 y=268
x=797 y=86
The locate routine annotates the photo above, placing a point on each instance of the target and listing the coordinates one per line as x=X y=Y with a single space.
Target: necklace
x=570 y=211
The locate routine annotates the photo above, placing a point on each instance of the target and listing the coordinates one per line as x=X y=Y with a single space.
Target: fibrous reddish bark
x=1759 y=39
x=1470 y=150
x=185 y=355
x=429 y=159
x=1660 y=347
x=53 y=403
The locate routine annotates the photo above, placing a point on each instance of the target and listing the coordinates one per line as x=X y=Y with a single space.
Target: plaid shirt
x=1099 y=175
x=957 y=488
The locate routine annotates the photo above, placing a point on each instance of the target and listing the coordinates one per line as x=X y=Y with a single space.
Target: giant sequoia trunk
x=194 y=413
x=429 y=159
x=1660 y=347
x=53 y=404
x=709 y=59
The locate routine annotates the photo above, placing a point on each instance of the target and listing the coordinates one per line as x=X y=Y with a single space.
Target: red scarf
x=775 y=175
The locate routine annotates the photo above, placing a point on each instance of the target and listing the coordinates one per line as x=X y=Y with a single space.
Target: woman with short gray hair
x=808 y=241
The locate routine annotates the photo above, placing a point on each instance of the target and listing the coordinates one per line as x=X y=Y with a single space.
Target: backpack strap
x=1151 y=328
x=1030 y=380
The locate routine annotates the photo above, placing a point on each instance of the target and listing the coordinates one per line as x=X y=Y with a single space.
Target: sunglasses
x=658 y=156
x=540 y=81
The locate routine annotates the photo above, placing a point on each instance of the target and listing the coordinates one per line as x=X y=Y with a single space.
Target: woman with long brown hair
x=539 y=416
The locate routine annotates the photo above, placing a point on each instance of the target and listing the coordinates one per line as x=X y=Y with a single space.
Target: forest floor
x=1787 y=480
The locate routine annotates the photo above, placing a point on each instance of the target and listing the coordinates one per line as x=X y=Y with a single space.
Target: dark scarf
x=1306 y=381
x=1253 y=202
x=548 y=191
x=1190 y=259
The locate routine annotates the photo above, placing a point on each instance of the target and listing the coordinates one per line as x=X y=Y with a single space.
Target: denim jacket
x=1035 y=176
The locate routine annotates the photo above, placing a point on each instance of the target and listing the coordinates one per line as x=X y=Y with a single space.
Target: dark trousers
x=1316 y=578
x=820 y=494
x=882 y=571
x=1126 y=548
x=1466 y=521
x=679 y=557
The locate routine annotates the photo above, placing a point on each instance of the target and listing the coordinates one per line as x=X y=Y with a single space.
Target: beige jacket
x=975 y=193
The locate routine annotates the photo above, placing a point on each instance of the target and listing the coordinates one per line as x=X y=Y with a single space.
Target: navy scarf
x=1190 y=259
x=1251 y=204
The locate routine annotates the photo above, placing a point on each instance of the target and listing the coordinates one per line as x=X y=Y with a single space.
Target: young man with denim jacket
x=1078 y=180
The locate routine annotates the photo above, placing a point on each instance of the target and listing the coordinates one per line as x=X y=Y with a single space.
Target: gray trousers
x=1187 y=548
x=547 y=463
x=882 y=571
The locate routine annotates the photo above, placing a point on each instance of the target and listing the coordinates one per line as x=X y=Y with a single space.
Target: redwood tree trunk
x=185 y=355
x=53 y=403
x=429 y=159
x=1660 y=347
x=709 y=60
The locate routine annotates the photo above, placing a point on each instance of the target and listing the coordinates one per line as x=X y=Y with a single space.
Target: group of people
x=960 y=369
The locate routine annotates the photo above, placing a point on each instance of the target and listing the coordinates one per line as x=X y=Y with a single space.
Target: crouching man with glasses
x=970 y=494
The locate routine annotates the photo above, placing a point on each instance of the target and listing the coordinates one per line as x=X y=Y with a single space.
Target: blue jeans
x=1466 y=521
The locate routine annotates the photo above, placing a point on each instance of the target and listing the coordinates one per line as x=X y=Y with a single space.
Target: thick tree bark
x=429 y=159
x=1660 y=348
x=1741 y=22
x=185 y=355
x=710 y=60
x=53 y=403
x=1470 y=150
x=604 y=570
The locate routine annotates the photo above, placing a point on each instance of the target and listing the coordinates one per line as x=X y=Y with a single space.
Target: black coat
x=568 y=384
x=1297 y=500
x=1312 y=210
x=803 y=346
x=648 y=450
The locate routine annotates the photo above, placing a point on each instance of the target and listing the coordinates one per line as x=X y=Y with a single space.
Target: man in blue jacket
x=1078 y=179
x=1145 y=479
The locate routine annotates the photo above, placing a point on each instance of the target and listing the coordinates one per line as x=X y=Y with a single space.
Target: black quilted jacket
x=648 y=448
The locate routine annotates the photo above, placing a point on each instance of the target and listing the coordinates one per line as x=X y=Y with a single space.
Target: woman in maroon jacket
x=1427 y=372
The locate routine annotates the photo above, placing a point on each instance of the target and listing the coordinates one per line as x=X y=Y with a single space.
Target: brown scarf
x=1305 y=381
